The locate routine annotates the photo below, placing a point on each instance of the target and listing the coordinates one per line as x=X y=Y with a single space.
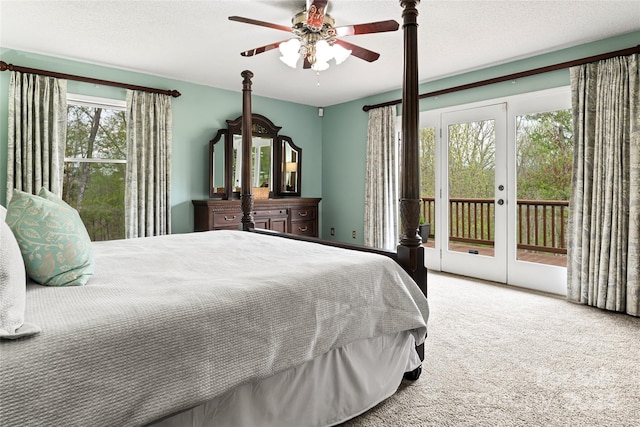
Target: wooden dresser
x=295 y=215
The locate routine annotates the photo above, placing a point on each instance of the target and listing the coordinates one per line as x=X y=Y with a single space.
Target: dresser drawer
x=271 y=219
x=270 y=213
x=226 y=219
x=304 y=213
x=304 y=228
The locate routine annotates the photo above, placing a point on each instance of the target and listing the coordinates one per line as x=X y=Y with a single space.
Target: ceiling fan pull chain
x=318 y=74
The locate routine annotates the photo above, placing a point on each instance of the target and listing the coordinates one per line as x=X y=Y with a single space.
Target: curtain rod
x=4 y=66
x=560 y=66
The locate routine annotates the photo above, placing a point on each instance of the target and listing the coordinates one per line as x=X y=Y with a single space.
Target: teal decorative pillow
x=55 y=245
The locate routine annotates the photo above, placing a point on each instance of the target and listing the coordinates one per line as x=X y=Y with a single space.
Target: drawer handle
x=303 y=213
x=226 y=218
x=302 y=229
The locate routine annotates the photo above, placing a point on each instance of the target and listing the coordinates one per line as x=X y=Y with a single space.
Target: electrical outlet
x=353 y=234
x=333 y=231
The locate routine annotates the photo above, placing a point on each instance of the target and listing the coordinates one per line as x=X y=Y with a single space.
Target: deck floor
x=538 y=257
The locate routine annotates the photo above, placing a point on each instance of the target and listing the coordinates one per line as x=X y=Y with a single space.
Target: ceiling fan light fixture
x=324 y=52
x=320 y=66
x=313 y=26
x=340 y=53
x=290 y=51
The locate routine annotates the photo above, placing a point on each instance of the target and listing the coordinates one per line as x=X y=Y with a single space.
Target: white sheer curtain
x=148 y=176
x=604 y=216
x=381 y=186
x=37 y=133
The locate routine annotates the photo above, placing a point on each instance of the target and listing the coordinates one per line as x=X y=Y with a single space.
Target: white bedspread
x=168 y=322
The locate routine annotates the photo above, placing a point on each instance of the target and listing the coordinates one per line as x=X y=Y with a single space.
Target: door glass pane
x=471 y=163
x=544 y=151
x=428 y=185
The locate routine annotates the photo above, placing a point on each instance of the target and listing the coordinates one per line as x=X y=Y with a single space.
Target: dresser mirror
x=217 y=167
x=276 y=161
x=261 y=159
x=291 y=167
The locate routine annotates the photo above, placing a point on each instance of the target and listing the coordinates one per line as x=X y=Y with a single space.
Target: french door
x=474 y=192
x=470 y=162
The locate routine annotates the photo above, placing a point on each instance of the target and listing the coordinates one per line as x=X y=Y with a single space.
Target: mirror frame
x=262 y=127
x=281 y=176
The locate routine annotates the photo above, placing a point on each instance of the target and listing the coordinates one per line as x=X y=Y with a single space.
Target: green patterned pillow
x=55 y=245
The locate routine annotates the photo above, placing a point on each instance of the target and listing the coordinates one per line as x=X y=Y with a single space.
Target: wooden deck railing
x=541 y=223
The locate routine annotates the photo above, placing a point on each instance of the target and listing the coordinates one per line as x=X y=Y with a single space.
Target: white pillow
x=3 y=213
x=13 y=288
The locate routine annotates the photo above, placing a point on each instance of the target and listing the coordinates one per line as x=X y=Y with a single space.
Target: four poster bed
x=178 y=330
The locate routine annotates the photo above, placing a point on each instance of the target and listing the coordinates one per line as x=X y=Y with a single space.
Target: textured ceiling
x=194 y=41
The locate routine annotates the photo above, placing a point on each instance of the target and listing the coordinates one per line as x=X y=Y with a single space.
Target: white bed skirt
x=326 y=391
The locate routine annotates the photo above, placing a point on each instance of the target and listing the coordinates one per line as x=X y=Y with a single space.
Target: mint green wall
x=334 y=146
x=197 y=114
x=344 y=127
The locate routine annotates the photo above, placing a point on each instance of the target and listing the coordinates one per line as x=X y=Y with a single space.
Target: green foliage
x=472 y=159
x=427 y=150
x=544 y=155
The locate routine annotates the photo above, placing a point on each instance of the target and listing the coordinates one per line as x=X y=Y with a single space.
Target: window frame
x=103 y=227
x=95 y=102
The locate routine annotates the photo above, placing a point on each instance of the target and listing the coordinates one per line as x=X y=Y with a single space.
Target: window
x=95 y=163
x=544 y=161
x=544 y=155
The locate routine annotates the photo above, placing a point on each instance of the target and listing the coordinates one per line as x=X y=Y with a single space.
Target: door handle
x=500 y=202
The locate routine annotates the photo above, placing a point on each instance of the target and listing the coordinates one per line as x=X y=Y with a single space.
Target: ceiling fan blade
x=360 y=52
x=262 y=49
x=371 y=27
x=260 y=23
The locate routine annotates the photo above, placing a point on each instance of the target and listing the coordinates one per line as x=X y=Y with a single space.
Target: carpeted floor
x=500 y=356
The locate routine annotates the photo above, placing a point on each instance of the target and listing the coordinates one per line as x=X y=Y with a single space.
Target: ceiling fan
x=317 y=39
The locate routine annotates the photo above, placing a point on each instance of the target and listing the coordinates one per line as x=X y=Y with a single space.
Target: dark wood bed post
x=246 y=197
x=410 y=250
